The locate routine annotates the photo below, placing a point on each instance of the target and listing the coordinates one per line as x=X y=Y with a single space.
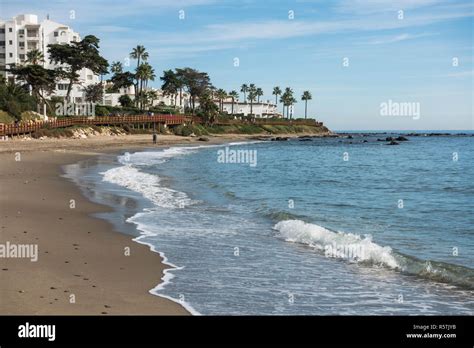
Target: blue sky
x=403 y=60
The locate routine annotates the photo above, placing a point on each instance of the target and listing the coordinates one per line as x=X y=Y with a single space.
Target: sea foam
x=148 y=185
x=351 y=247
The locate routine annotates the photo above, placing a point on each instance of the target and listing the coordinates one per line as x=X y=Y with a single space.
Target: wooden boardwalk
x=26 y=128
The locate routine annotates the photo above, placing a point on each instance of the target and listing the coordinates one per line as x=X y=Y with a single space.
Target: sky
x=354 y=56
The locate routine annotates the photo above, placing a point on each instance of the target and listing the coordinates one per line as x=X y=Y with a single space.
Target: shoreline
x=72 y=276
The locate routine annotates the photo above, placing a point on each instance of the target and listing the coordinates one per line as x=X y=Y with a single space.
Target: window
x=21 y=31
x=22 y=57
x=10 y=30
x=10 y=55
x=56 y=34
x=2 y=30
x=2 y=43
x=62 y=86
x=22 y=44
x=10 y=42
x=2 y=55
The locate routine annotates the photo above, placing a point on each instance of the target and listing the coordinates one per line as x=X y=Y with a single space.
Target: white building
x=260 y=109
x=112 y=99
x=24 y=33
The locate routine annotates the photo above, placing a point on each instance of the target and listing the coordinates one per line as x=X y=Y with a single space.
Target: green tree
x=34 y=57
x=77 y=56
x=41 y=81
x=145 y=73
x=287 y=99
x=15 y=99
x=208 y=108
x=221 y=96
x=94 y=93
x=196 y=83
x=171 y=84
x=125 y=101
x=244 y=89
x=116 y=67
x=140 y=54
x=259 y=93
x=234 y=95
x=121 y=80
x=305 y=97
x=276 y=92
x=180 y=82
x=252 y=96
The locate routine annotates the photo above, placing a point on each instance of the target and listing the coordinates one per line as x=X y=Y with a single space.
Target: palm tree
x=276 y=92
x=305 y=97
x=234 y=95
x=149 y=97
x=34 y=57
x=149 y=74
x=259 y=93
x=252 y=96
x=287 y=99
x=116 y=67
x=221 y=95
x=292 y=101
x=244 y=89
x=145 y=73
x=139 y=53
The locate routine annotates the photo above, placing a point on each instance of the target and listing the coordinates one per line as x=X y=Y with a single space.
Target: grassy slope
x=197 y=130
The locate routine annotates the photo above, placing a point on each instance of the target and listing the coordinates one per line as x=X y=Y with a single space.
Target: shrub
x=5 y=117
x=101 y=110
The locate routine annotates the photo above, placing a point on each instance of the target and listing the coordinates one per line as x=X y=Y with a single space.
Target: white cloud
x=397 y=38
x=377 y=6
x=284 y=29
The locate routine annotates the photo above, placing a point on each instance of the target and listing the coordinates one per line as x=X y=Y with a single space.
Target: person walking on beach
x=154 y=133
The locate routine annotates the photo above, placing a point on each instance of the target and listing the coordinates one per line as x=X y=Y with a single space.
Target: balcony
x=32 y=35
x=32 y=45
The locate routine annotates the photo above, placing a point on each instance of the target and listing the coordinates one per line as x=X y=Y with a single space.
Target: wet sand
x=83 y=265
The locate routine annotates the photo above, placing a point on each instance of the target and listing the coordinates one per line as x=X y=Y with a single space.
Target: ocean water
x=325 y=226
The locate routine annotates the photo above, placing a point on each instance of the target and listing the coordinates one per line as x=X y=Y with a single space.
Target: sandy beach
x=82 y=266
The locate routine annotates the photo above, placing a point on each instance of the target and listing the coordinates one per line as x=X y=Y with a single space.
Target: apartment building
x=24 y=33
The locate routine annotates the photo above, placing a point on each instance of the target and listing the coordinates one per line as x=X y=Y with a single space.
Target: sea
x=309 y=226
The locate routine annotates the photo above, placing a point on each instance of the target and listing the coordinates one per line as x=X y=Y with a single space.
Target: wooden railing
x=24 y=128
